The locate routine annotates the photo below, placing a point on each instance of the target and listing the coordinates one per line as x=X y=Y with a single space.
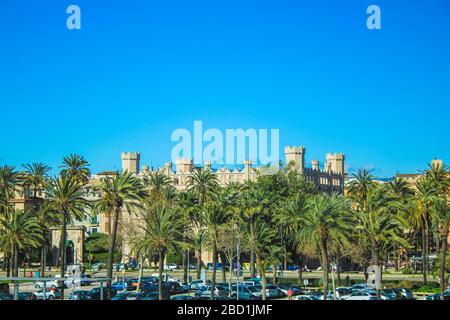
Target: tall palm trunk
x=263 y=277
x=16 y=261
x=324 y=254
x=43 y=260
x=443 y=256
x=184 y=262
x=300 y=270
x=199 y=262
x=62 y=269
x=214 y=269
x=8 y=265
x=224 y=273
x=376 y=261
x=160 y=272
x=424 y=257
x=13 y=263
x=112 y=246
x=252 y=251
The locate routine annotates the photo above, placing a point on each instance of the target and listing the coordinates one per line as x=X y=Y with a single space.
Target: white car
x=304 y=298
x=49 y=294
x=361 y=295
x=171 y=267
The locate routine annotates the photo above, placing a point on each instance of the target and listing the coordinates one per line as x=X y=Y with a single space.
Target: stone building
x=328 y=179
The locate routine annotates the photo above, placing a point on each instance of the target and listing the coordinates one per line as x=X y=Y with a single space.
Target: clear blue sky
x=140 y=69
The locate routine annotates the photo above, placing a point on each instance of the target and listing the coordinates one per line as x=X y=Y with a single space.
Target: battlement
x=335 y=156
x=130 y=161
x=130 y=155
x=294 y=150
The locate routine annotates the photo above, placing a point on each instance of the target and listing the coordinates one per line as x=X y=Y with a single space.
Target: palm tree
x=123 y=191
x=163 y=231
x=251 y=204
x=379 y=224
x=358 y=188
x=442 y=212
x=76 y=166
x=19 y=231
x=35 y=178
x=65 y=196
x=158 y=182
x=9 y=183
x=188 y=205
x=290 y=216
x=215 y=215
x=425 y=196
x=46 y=217
x=438 y=177
x=204 y=184
x=260 y=239
x=326 y=219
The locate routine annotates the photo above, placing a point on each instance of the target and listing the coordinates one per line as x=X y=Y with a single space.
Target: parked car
x=182 y=297
x=439 y=296
x=50 y=294
x=361 y=295
x=405 y=294
x=120 y=296
x=154 y=295
x=171 y=267
x=122 y=285
x=305 y=298
x=197 y=284
x=205 y=291
x=359 y=287
x=272 y=291
x=343 y=291
x=49 y=284
x=96 y=293
x=98 y=266
x=80 y=295
x=245 y=292
x=6 y=296
x=26 y=296
x=86 y=280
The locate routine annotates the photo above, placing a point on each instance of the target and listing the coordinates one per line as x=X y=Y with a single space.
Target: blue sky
x=137 y=70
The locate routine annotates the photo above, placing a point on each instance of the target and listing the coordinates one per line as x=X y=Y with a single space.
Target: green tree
x=9 y=185
x=19 y=230
x=442 y=212
x=215 y=216
x=163 y=230
x=260 y=239
x=122 y=191
x=66 y=196
x=76 y=167
x=326 y=219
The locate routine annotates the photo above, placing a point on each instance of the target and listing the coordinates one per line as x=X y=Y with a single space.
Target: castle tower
x=296 y=155
x=130 y=162
x=315 y=164
x=335 y=162
x=184 y=166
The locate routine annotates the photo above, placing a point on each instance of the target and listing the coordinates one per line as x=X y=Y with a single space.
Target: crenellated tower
x=130 y=161
x=297 y=156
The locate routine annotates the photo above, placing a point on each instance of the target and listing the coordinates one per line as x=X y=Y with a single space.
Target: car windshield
x=253 y=289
